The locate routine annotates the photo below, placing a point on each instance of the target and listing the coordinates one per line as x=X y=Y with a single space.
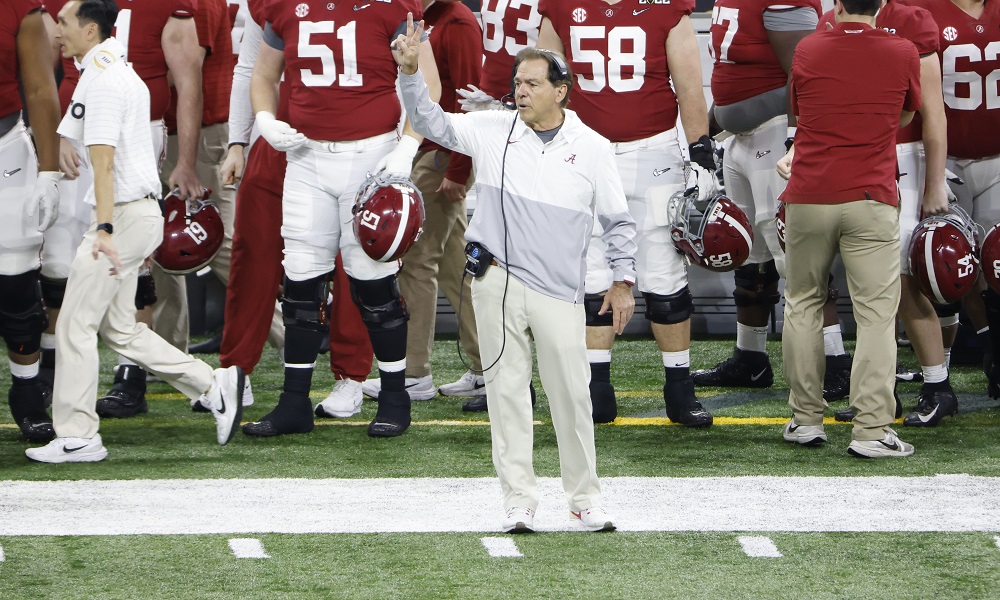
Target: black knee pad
x=757 y=285
x=947 y=310
x=382 y=306
x=303 y=304
x=53 y=291
x=145 y=292
x=670 y=309
x=22 y=312
x=592 y=304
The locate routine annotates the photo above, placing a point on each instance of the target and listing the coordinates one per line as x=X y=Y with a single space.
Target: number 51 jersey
x=618 y=54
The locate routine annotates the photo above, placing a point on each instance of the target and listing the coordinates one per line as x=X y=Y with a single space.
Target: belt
x=353 y=145
x=664 y=136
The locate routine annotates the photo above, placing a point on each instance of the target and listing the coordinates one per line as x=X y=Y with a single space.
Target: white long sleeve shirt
x=551 y=192
x=241 y=117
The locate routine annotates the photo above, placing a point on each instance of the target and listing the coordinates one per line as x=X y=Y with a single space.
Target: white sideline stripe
x=759 y=546
x=247 y=548
x=954 y=503
x=1 y=554
x=501 y=547
x=996 y=539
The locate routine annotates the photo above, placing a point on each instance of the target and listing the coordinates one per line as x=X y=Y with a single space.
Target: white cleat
x=69 y=449
x=419 y=388
x=888 y=446
x=469 y=385
x=343 y=402
x=594 y=518
x=519 y=520
x=805 y=435
x=225 y=401
x=197 y=406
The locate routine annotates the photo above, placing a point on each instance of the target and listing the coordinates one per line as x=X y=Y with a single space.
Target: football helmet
x=723 y=239
x=944 y=256
x=991 y=257
x=779 y=224
x=192 y=233
x=388 y=216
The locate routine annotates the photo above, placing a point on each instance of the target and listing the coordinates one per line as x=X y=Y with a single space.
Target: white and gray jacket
x=551 y=192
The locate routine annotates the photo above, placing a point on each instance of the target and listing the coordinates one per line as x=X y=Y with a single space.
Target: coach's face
x=537 y=99
x=74 y=38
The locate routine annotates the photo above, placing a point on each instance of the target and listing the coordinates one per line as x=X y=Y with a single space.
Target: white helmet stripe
x=929 y=263
x=404 y=219
x=739 y=227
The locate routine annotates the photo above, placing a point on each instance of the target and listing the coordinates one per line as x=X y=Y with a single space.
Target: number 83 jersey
x=340 y=70
x=619 y=56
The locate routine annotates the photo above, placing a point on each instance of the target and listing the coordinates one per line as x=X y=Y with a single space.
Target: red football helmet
x=779 y=224
x=721 y=242
x=991 y=258
x=388 y=216
x=192 y=233
x=944 y=256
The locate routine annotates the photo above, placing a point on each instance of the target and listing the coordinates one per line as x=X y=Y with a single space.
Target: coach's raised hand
x=406 y=48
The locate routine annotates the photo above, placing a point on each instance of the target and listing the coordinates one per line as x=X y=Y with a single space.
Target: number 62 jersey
x=618 y=54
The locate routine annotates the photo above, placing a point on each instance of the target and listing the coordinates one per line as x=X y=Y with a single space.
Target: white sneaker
x=225 y=400
x=344 y=401
x=69 y=449
x=806 y=435
x=890 y=445
x=197 y=406
x=469 y=385
x=419 y=388
x=594 y=518
x=519 y=520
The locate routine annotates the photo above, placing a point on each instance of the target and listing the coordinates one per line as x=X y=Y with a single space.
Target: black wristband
x=788 y=143
x=702 y=152
x=108 y=227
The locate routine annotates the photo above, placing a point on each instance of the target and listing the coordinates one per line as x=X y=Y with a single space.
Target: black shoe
x=27 y=407
x=47 y=374
x=837 y=382
x=210 y=346
x=682 y=406
x=393 y=416
x=933 y=404
x=127 y=397
x=531 y=389
x=993 y=385
x=847 y=415
x=293 y=414
x=742 y=369
x=603 y=403
x=477 y=404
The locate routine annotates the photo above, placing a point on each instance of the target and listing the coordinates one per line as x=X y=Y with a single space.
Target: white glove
x=400 y=160
x=702 y=184
x=279 y=134
x=475 y=99
x=951 y=178
x=44 y=200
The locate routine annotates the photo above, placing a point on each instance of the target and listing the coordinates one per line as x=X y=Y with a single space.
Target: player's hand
x=400 y=160
x=451 y=191
x=950 y=179
x=186 y=180
x=43 y=207
x=475 y=99
x=619 y=300
x=69 y=161
x=702 y=181
x=784 y=166
x=104 y=245
x=231 y=171
x=279 y=134
x=935 y=201
x=406 y=48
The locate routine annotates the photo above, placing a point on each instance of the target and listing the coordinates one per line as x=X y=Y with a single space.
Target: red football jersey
x=509 y=26
x=343 y=83
x=745 y=63
x=970 y=65
x=214 y=34
x=619 y=56
x=12 y=12
x=910 y=23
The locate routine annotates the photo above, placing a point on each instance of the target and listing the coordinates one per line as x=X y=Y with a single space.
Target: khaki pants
x=97 y=303
x=170 y=316
x=867 y=234
x=437 y=259
x=558 y=329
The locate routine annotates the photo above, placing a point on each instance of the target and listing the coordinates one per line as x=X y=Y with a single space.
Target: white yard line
x=2 y=558
x=247 y=548
x=758 y=546
x=501 y=547
x=253 y=506
x=996 y=539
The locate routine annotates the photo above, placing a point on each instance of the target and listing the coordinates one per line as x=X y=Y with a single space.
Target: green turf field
x=171 y=442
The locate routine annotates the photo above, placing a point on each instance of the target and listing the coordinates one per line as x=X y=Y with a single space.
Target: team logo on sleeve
x=302 y=10
x=579 y=15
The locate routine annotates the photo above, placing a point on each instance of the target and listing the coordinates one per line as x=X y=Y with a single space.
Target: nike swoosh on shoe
x=928 y=416
x=758 y=375
x=71 y=450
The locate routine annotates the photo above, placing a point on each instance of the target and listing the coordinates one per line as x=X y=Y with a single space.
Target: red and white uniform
x=19 y=244
x=970 y=66
x=622 y=90
x=509 y=26
x=214 y=35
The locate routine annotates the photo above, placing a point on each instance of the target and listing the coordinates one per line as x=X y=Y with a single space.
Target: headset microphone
x=508 y=101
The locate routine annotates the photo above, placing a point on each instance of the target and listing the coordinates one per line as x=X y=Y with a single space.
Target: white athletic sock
x=677 y=360
x=598 y=356
x=833 y=341
x=750 y=338
x=935 y=374
x=947 y=357
x=48 y=341
x=24 y=371
x=392 y=367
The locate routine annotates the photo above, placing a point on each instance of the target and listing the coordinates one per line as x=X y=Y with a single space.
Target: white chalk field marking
x=499 y=547
x=247 y=548
x=758 y=546
x=2 y=558
x=958 y=503
x=996 y=539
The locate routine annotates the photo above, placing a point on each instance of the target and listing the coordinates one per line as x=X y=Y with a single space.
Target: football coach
x=542 y=177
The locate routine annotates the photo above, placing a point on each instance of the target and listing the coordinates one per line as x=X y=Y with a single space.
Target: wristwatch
x=106 y=227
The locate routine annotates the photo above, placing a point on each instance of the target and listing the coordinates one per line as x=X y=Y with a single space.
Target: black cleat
x=847 y=415
x=603 y=403
x=933 y=404
x=993 y=385
x=477 y=404
x=127 y=396
x=293 y=414
x=27 y=407
x=837 y=382
x=682 y=406
x=742 y=369
x=212 y=345
x=393 y=416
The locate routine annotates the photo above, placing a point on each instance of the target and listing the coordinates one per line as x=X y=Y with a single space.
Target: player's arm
x=684 y=62
x=548 y=39
x=184 y=57
x=240 y=111
x=264 y=97
x=34 y=53
x=400 y=160
x=935 y=136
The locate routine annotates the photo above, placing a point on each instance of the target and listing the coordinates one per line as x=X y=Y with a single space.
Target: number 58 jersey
x=340 y=70
x=618 y=54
